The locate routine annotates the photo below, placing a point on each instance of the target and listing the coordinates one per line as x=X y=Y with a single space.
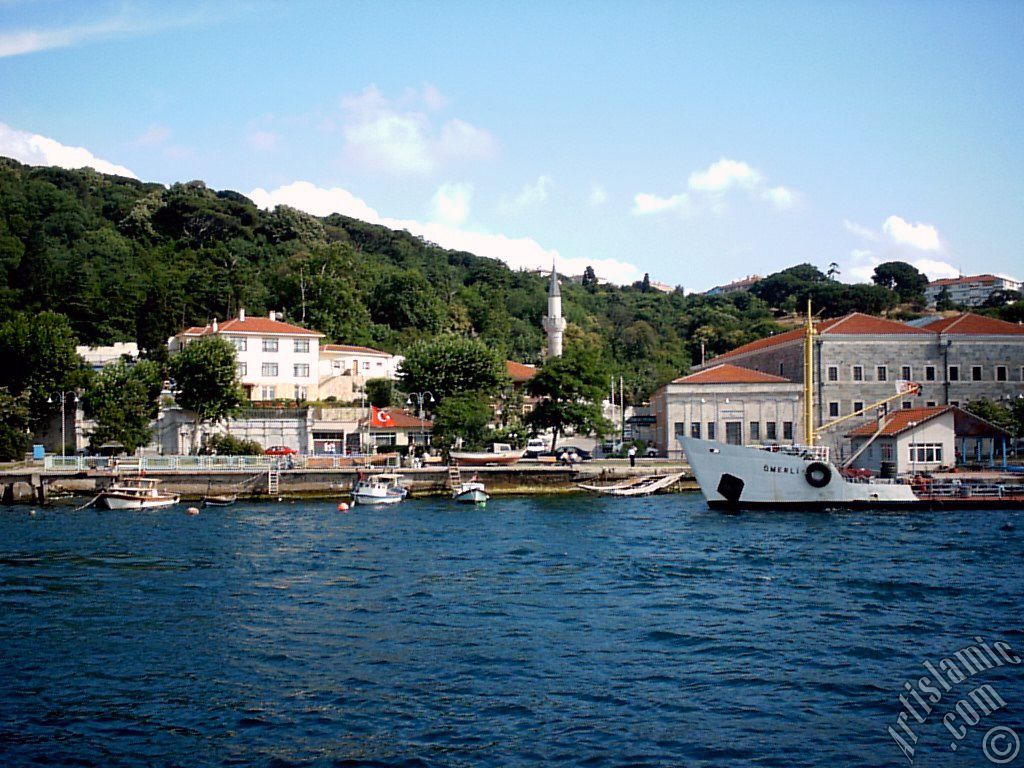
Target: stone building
x=858 y=359
x=727 y=403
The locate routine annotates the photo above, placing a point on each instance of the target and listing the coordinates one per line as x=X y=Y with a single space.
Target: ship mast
x=809 y=379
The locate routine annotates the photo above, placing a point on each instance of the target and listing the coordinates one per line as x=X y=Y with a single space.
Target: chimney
x=215 y=325
x=273 y=315
x=241 y=314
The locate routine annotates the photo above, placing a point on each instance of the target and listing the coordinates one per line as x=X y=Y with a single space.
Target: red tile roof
x=352 y=348
x=519 y=372
x=901 y=421
x=854 y=324
x=730 y=374
x=965 y=279
x=402 y=420
x=261 y=325
x=972 y=324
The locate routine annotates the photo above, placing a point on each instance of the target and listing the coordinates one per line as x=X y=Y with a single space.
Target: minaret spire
x=554 y=323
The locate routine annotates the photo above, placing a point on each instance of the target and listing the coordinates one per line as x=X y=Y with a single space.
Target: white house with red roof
x=344 y=369
x=970 y=290
x=727 y=403
x=276 y=360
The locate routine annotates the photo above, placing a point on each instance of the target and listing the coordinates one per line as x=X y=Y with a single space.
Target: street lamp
x=419 y=400
x=63 y=420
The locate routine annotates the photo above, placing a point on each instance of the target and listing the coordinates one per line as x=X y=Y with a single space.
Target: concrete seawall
x=28 y=486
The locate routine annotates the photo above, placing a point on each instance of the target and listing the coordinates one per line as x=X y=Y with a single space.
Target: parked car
x=651 y=452
x=535 y=446
x=280 y=450
x=582 y=453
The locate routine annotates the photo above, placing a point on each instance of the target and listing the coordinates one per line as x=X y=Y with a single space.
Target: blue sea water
x=561 y=630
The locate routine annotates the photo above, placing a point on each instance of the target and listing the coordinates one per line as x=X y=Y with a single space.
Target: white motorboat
x=379 y=489
x=137 y=493
x=470 y=492
x=500 y=454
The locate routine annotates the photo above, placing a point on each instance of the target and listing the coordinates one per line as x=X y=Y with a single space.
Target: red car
x=280 y=450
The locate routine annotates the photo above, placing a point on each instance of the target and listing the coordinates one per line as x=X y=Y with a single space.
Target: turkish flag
x=380 y=417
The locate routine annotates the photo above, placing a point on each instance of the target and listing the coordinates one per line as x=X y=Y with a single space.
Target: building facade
x=969 y=291
x=344 y=370
x=276 y=360
x=729 y=404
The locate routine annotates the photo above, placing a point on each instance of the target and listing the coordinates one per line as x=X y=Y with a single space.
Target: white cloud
x=645 y=204
x=451 y=203
x=921 y=236
x=709 y=188
x=433 y=98
x=262 y=141
x=860 y=230
x=598 y=195
x=401 y=137
x=518 y=253
x=935 y=269
x=33 y=149
x=529 y=196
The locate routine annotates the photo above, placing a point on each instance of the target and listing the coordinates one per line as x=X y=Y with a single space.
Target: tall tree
x=14 y=422
x=451 y=365
x=570 y=389
x=205 y=375
x=40 y=361
x=903 y=278
x=465 y=416
x=122 y=400
x=944 y=301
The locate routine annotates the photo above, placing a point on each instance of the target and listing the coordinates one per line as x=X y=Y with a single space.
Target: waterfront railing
x=215 y=463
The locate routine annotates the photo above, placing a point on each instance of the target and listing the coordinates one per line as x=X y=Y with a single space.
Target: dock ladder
x=273 y=480
x=454 y=476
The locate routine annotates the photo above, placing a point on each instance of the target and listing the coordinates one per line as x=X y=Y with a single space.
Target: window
x=366 y=365
x=301 y=393
x=769 y=430
x=787 y=430
x=906 y=373
x=930 y=404
x=858 y=373
x=782 y=369
x=243 y=369
x=734 y=432
x=955 y=403
x=833 y=410
x=239 y=344
x=695 y=429
x=833 y=373
x=881 y=373
x=954 y=373
x=269 y=369
x=975 y=373
x=270 y=345
x=268 y=393
x=925 y=453
x=1000 y=373
x=382 y=438
x=680 y=429
x=857 y=406
x=929 y=373
x=887 y=452
x=302 y=371
x=302 y=345
x=906 y=405
x=755 y=430
x=380 y=364
x=711 y=430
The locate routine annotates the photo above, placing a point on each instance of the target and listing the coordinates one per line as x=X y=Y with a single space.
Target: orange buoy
x=193 y=510
x=343 y=507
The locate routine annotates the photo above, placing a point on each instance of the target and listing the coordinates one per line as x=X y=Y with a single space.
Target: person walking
x=632 y=455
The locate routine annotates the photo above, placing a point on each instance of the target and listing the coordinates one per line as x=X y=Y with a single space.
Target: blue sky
x=698 y=142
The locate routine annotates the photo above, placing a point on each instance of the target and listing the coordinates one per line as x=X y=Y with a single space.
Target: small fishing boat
x=222 y=500
x=137 y=493
x=638 y=486
x=471 y=492
x=500 y=454
x=379 y=489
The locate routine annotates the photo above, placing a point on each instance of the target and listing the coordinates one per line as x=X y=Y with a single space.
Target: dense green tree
x=205 y=376
x=944 y=300
x=228 y=445
x=122 y=399
x=589 y=278
x=1001 y=298
x=14 y=425
x=452 y=365
x=40 y=362
x=570 y=389
x=381 y=393
x=903 y=278
x=466 y=416
x=1008 y=416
